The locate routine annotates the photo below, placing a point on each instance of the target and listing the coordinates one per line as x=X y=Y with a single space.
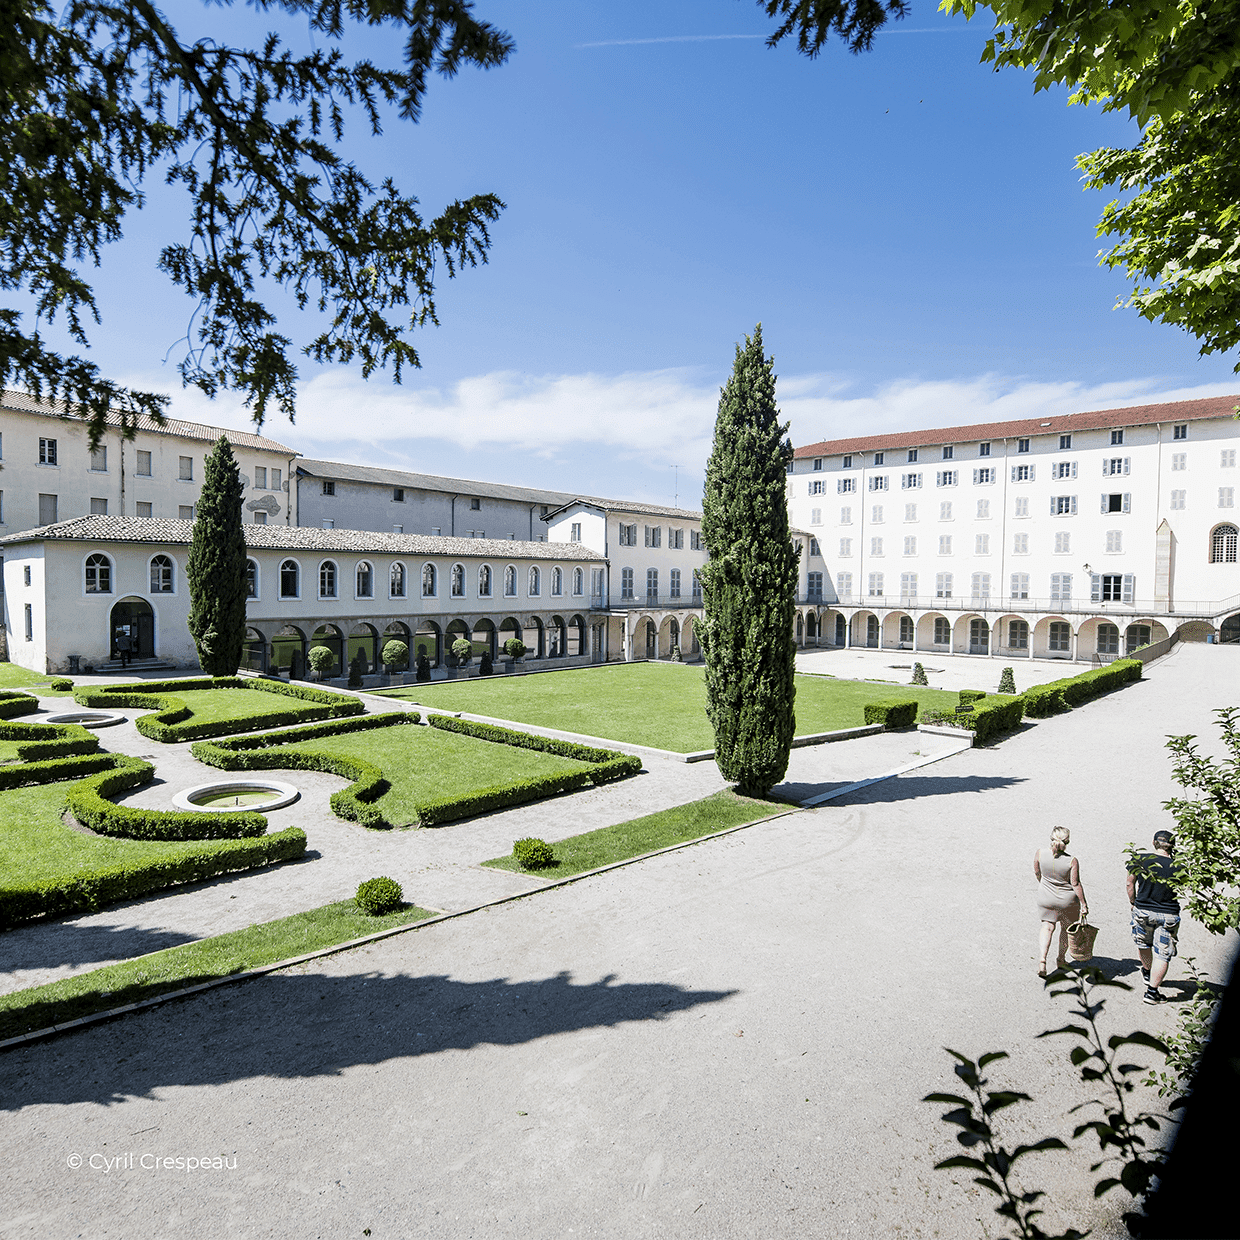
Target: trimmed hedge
x=49 y=740
x=377 y=896
x=893 y=714
x=23 y=774
x=993 y=717
x=13 y=703
x=484 y=800
x=971 y=695
x=1047 y=699
x=1042 y=701
x=169 y=724
x=91 y=889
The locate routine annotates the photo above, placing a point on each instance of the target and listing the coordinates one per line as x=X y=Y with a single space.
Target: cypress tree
x=216 y=566
x=749 y=581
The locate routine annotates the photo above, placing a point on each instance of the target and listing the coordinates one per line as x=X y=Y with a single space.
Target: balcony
x=652 y=602
x=1183 y=610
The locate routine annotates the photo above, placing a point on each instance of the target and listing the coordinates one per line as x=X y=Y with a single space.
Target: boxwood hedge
x=13 y=704
x=893 y=714
x=37 y=741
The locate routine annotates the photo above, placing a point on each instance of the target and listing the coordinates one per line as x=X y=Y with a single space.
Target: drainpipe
x=122 y=475
x=452 y=518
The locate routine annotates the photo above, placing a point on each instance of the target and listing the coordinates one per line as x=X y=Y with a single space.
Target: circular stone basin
x=236 y=794
x=88 y=718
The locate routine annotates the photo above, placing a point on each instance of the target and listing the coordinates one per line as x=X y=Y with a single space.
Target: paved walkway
x=725 y=1041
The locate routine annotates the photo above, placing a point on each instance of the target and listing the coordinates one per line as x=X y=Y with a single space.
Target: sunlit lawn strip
x=14 y=677
x=191 y=964
x=579 y=853
x=660 y=705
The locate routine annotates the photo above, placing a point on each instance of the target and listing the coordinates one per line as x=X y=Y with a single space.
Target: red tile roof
x=1134 y=415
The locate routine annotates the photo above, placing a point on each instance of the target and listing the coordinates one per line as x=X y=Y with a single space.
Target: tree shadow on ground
x=303 y=1025
x=897 y=788
x=48 y=945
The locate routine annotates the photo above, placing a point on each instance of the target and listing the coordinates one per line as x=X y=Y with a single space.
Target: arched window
x=510 y=582
x=458 y=580
x=557 y=581
x=484 y=581
x=251 y=579
x=535 y=581
x=428 y=581
x=290 y=584
x=1222 y=545
x=365 y=580
x=579 y=581
x=98 y=574
x=327 y=579
x=396 y=581
x=161 y=574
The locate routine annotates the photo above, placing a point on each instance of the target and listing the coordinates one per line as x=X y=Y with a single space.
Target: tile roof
x=622 y=505
x=1133 y=415
x=301 y=538
x=21 y=402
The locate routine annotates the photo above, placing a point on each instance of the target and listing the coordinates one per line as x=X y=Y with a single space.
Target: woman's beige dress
x=1057 y=901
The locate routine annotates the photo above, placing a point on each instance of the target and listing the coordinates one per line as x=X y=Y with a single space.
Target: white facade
x=1075 y=537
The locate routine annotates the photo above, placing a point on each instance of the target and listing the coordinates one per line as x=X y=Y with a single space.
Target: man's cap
x=1164 y=839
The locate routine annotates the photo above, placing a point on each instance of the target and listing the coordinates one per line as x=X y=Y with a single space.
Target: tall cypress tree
x=749 y=582
x=216 y=566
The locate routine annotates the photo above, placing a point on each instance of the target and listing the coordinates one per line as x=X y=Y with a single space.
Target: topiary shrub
x=61 y=684
x=424 y=668
x=396 y=656
x=676 y=655
x=463 y=648
x=320 y=659
x=891 y=714
x=356 y=671
x=919 y=675
x=971 y=695
x=484 y=667
x=377 y=896
x=514 y=648
x=533 y=854
x=1007 y=681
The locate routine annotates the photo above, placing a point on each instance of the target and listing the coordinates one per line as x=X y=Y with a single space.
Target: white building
x=1079 y=536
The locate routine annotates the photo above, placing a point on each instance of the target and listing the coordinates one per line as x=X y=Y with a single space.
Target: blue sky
x=908 y=226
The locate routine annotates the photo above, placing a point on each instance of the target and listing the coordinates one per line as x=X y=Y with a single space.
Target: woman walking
x=1061 y=898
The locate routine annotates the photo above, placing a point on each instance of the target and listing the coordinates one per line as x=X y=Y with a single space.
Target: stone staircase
x=137 y=667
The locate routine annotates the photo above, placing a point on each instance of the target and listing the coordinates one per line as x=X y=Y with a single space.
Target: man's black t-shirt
x=1155 y=893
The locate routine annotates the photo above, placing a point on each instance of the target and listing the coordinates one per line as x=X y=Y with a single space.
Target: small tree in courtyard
x=1007 y=681
x=215 y=569
x=749 y=581
x=919 y=675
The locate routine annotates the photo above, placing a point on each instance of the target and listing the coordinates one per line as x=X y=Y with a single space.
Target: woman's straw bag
x=1081 y=936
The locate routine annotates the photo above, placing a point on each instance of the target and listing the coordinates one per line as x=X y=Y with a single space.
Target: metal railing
x=1061 y=606
x=663 y=602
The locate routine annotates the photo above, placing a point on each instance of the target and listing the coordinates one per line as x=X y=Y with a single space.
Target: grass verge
x=694 y=821
x=175 y=968
x=14 y=677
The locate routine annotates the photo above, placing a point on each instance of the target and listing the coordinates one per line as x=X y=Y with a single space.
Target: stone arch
x=288 y=651
x=364 y=640
x=899 y=632
x=1012 y=635
x=1229 y=630
x=397 y=631
x=483 y=637
x=557 y=637
x=971 y=634
x=865 y=630
x=329 y=635
x=428 y=641
x=1195 y=630
x=456 y=630
x=510 y=628
x=136 y=618
x=537 y=640
x=689 y=644
x=254 y=651
x=577 y=645
x=811 y=627
x=669 y=636
x=931 y=627
x=1048 y=636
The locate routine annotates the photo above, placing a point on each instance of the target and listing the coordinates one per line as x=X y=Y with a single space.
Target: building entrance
x=134 y=617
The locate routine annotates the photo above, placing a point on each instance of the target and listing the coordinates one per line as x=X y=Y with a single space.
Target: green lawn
x=192 y=963
x=715 y=813
x=657 y=704
x=424 y=764
x=14 y=677
x=212 y=705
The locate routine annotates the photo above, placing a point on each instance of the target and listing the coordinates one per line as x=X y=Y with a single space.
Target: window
x=579 y=579
x=817 y=462
x=289 y=575
x=1020 y=544
x=143 y=468
x=99 y=459
x=946 y=478
x=98 y=574
x=161 y=575
x=475 y=504
x=910 y=512
x=845 y=548
x=1226 y=497
x=396 y=581
x=1177 y=500
x=365 y=580
x=260 y=478
x=981 y=544
x=628 y=535
x=329 y=524
x=675 y=539
x=98 y=507
x=942 y=632
x=429 y=583
x=876 y=514
x=943 y=585
x=910 y=546
x=908 y=586
x=910 y=482
x=251 y=579
x=654 y=536
x=1020 y=585
x=948 y=452
x=695 y=541
x=1137 y=635
x=876 y=585
x=981 y=586
x=1108 y=588
x=626 y=583
x=260 y=518
x=535 y=582
x=1063 y=469
x=484 y=581
x=329 y=486
x=1021 y=508
x=817 y=487
x=983 y=449
x=1180 y=432
x=557 y=581
x=945 y=511
x=1065 y=443
x=574 y=532
x=1022 y=445
x=652 y=585
x=1115 y=465
x=847 y=462
x=1063 y=543
x=1227 y=458
x=673 y=583
x=1115 y=541
x=29 y=623
x=814 y=549
x=983 y=510
x=510 y=582
x=185 y=468
x=1179 y=461
x=398 y=495
x=876 y=546
x=1060 y=637
x=983 y=477
x=1223 y=545
x=697 y=586
x=1117 y=436
x=47 y=452
x=945 y=544
x=1063 y=505
x=878 y=482
x=912 y=456
x=327 y=579
x=878 y=458
x=844 y=486
x=1061 y=587
x=1117 y=501
x=26 y=574
x=1018 y=635
x=47 y=509
x=843 y=585
x=815 y=516
x=275 y=480
x=1022 y=473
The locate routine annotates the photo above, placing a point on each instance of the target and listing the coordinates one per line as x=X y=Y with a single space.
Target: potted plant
x=395 y=657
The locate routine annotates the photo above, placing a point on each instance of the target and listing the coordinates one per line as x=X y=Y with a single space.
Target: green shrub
x=463 y=649
x=396 y=656
x=514 y=648
x=943 y=718
x=676 y=656
x=24 y=774
x=377 y=896
x=892 y=714
x=1007 y=681
x=1041 y=701
x=992 y=717
x=533 y=854
x=1078 y=689
x=424 y=668
x=321 y=659
x=91 y=888
x=484 y=800
x=13 y=703
x=919 y=675
x=61 y=684
x=49 y=740
x=971 y=695
x=484 y=666
x=355 y=672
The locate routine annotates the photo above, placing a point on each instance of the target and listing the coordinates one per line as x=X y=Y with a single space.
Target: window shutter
x=1013 y=473
x=1032 y=469
x=1106 y=502
x=1074 y=469
x=1052 y=505
x=839 y=486
x=1127 y=501
x=1130 y=582
x=975 y=473
x=1095 y=588
x=1127 y=459
x=1106 y=468
x=1074 y=505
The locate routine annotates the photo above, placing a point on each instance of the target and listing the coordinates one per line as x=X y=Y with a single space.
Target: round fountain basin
x=236 y=795
x=87 y=718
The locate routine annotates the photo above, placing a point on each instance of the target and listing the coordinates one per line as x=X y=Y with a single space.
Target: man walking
x=1155 y=912
x=124 y=646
